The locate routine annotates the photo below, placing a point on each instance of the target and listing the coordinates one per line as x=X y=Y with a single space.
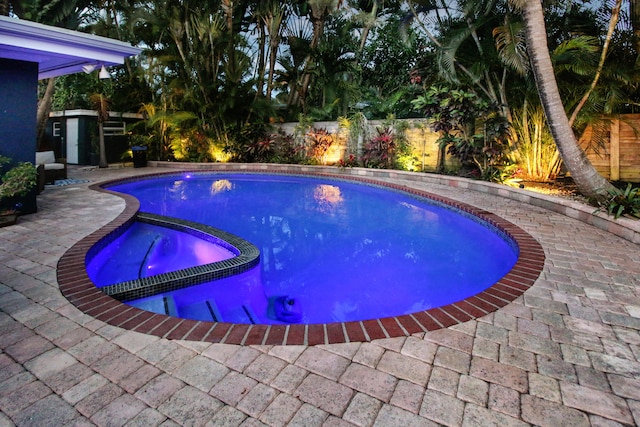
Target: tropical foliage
x=623 y=202
x=387 y=149
x=216 y=75
x=16 y=180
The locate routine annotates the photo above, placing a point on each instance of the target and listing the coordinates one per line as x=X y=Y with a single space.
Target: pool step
x=202 y=310
x=169 y=306
x=213 y=310
x=209 y=310
x=206 y=310
x=161 y=304
x=250 y=314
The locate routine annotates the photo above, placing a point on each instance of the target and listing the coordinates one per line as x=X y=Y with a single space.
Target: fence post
x=614 y=151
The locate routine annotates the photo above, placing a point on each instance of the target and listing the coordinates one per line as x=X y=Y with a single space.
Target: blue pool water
x=330 y=250
x=146 y=250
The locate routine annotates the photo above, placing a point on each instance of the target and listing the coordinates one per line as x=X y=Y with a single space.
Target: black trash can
x=139 y=156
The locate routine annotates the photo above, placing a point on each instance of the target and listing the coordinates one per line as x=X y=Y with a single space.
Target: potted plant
x=15 y=182
x=138 y=151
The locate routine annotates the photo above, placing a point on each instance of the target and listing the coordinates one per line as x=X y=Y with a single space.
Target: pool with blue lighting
x=330 y=250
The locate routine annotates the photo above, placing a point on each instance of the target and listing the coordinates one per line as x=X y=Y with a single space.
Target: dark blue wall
x=18 y=110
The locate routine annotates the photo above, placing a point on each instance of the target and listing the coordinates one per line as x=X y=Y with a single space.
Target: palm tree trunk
x=634 y=13
x=101 y=105
x=273 y=51
x=613 y=21
x=367 y=28
x=273 y=21
x=4 y=7
x=44 y=108
x=261 y=59
x=102 y=163
x=590 y=183
x=318 y=30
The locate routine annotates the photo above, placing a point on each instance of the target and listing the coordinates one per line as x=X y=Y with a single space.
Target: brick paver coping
x=80 y=290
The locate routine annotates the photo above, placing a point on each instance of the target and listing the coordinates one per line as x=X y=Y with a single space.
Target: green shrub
x=623 y=202
x=18 y=180
x=15 y=183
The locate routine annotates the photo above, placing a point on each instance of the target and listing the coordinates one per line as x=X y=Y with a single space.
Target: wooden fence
x=614 y=148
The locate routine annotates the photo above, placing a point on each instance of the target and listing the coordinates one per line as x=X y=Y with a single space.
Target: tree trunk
x=44 y=108
x=103 y=152
x=634 y=13
x=101 y=105
x=367 y=28
x=613 y=21
x=590 y=183
x=272 y=68
x=273 y=25
x=320 y=10
x=442 y=154
x=318 y=30
x=4 y=7
x=261 y=59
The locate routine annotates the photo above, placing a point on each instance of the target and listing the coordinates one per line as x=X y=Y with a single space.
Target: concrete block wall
x=421 y=138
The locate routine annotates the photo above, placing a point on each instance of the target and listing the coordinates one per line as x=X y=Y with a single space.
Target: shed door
x=72 y=141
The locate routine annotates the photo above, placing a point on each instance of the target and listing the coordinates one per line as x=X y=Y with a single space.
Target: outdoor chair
x=53 y=168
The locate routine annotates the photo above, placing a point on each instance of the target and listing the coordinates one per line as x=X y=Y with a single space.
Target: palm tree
x=320 y=11
x=369 y=14
x=275 y=16
x=634 y=12
x=613 y=21
x=590 y=183
x=162 y=125
x=102 y=105
x=465 y=47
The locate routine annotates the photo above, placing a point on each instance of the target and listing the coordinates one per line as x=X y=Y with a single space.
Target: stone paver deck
x=567 y=352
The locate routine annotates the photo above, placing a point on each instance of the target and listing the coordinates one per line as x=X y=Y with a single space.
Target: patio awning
x=58 y=51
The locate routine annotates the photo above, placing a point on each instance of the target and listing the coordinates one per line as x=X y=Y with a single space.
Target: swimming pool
x=331 y=250
x=81 y=292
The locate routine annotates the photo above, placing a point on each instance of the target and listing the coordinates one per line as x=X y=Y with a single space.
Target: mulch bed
x=561 y=187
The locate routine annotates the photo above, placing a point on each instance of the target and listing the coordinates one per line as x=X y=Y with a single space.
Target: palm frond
x=447 y=64
x=447 y=54
x=475 y=8
x=578 y=55
x=101 y=104
x=511 y=46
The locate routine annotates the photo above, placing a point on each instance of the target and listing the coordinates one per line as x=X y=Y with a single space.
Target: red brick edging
x=76 y=286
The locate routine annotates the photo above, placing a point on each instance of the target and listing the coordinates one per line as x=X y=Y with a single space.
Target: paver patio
x=567 y=352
